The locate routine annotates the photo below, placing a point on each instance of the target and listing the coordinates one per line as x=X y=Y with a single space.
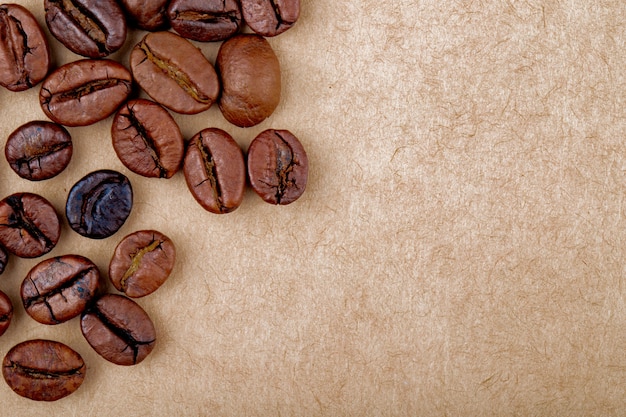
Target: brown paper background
x=459 y=249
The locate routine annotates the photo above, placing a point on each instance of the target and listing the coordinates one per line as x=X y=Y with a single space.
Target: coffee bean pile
x=245 y=83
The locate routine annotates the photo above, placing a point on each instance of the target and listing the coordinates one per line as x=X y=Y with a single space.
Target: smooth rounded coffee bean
x=142 y=262
x=91 y=28
x=6 y=312
x=215 y=171
x=84 y=92
x=147 y=139
x=119 y=330
x=147 y=14
x=29 y=225
x=250 y=76
x=24 y=51
x=174 y=73
x=205 y=20
x=43 y=370
x=39 y=150
x=99 y=204
x=278 y=167
x=270 y=17
x=60 y=288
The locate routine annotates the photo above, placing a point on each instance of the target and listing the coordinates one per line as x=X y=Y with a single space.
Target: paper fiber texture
x=460 y=248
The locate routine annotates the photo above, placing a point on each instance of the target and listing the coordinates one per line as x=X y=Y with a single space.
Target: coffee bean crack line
x=43 y=298
x=87 y=22
x=4 y=317
x=212 y=176
x=85 y=89
x=90 y=204
x=10 y=36
x=19 y=220
x=194 y=16
x=147 y=139
x=26 y=161
x=279 y=18
x=43 y=374
x=137 y=257
x=282 y=172
x=175 y=73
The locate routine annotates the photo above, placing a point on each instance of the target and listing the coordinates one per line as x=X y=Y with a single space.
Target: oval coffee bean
x=205 y=20
x=99 y=204
x=119 y=330
x=24 y=51
x=142 y=262
x=60 y=288
x=278 y=167
x=83 y=92
x=250 y=74
x=215 y=171
x=6 y=312
x=270 y=17
x=147 y=139
x=29 y=225
x=147 y=14
x=43 y=370
x=39 y=150
x=91 y=28
x=174 y=73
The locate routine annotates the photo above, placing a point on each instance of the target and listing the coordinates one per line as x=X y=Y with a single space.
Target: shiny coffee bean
x=24 y=52
x=278 y=167
x=142 y=262
x=29 y=225
x=91 y=28
x=84 y=92
x=174 y=73
x=99 y=204
x=43 y=370
x=215 y=171
x=270 y=17
x=205 y=20
x=250 y=77
x=60 y=288
x=119 y=330
x=147 y=14
x=39 y=150
x=6 y=312
x=147 y=139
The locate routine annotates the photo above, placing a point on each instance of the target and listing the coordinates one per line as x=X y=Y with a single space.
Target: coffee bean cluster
x=245 y=83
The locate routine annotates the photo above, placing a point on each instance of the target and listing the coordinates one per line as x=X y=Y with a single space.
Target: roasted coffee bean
x=6 y=312
x=43 y=370
x=270 y=17
x=99 y=204
x=59 y=289
x=215 y=171
x=250 y=77
x=205 y=20
x=147 y=139
x=39 y=150
x=29 y=225
x=4 y=259
x=278 y=167
x=147 y=14
x=119 y=330
x=91 y=28
x=142 y=262
x=83 y=92
x=174 y=73
x=24 y=52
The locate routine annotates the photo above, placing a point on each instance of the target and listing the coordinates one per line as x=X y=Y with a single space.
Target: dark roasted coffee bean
x=142 y=262
x=205 y=20
x=174 y=73
x=270 y=17
x=147 y=14
x=43 y=370
x=60 y=288
x=119 y=330
x=29 y=225
x=83 y=92
x=91 y=28
x=250 y=77
x=4 y=259
x=278 y=167
x=147 y=139
x=39 y=150
x=215 y=171
x=6 y=312
x=99 y=204
x=24 y=52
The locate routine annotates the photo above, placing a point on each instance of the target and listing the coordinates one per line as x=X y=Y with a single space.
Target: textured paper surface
x=459 y=249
